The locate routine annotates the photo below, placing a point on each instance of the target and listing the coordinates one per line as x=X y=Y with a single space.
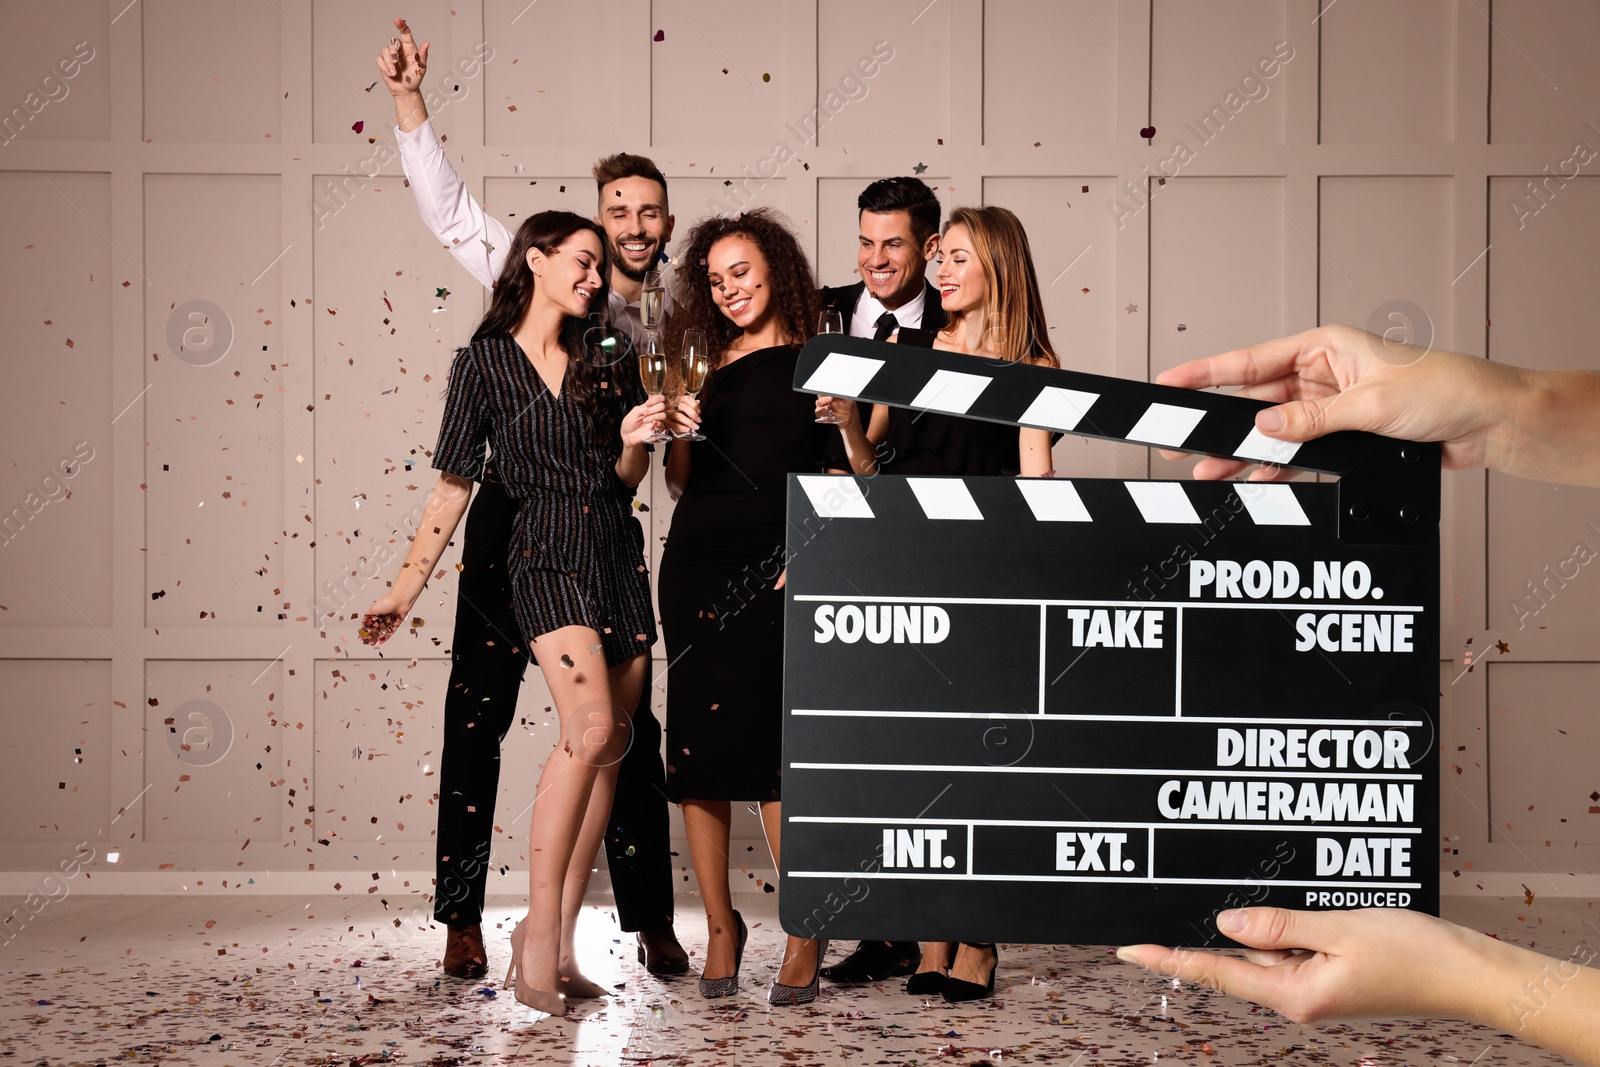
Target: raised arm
x=478 y=241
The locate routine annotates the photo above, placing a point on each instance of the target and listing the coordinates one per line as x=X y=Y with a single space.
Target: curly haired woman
x=746 y=285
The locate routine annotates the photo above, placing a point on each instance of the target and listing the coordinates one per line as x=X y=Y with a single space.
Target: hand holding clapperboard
x=1101 y=711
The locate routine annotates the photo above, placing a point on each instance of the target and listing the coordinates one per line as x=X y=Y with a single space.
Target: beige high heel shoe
x=538 y=999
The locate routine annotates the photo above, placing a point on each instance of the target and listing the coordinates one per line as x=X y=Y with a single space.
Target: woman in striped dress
x=568 y=444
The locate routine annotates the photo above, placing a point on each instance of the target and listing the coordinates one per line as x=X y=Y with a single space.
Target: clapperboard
x=1101 y=711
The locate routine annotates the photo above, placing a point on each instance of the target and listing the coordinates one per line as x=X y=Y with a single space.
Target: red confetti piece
x=661 y=35
x=358 y=127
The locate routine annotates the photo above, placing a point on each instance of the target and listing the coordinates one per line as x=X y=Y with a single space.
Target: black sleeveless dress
x=930 y=443
x=720 y=615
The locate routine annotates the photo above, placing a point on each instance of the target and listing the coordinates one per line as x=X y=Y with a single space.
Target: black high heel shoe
x=793 y=996
x=927 y=983
x=956 y=990
x=712 y=988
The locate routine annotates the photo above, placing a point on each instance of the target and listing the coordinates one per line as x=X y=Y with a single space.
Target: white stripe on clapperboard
x=1050 y=500
x=1052 y=408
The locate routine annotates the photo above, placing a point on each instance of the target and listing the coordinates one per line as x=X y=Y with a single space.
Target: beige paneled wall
x=227 y=323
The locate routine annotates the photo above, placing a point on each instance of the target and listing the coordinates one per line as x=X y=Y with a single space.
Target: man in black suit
x=899 y=220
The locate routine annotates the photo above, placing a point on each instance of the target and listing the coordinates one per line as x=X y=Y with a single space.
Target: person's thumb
x=1270 y=928
x=1301 y=420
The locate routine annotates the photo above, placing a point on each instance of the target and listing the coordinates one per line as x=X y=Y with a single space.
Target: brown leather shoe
x=463 y=952
x=660 y=952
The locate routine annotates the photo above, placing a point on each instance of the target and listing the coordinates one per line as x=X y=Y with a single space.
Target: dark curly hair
x=592 y=385
x=792 y=287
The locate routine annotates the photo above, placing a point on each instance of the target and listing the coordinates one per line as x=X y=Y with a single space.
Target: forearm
x=1544 y=424
x=633 y=465
x=478 y=241
x=1547 y=1001
x=440 y=516
x=410 y=111
x=677 y=469
x=858 y=449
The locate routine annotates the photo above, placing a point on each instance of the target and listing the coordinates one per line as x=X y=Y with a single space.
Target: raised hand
x=402 y=64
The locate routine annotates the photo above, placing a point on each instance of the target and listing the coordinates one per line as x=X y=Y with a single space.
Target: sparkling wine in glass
x=653 y=375
x=830 y=321
x=695 y=364
x=652 y=301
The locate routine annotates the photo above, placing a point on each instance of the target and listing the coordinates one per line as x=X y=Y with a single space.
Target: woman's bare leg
x=625 y=681
x=705 y=823
x=800 y=953
x=574 y=669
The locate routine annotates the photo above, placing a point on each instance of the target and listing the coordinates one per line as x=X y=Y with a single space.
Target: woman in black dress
x=988 y=287
x=745 y=283
x=567 y=439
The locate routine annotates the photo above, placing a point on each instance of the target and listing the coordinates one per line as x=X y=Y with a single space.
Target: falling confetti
x=566 y=661
x=1148 y=132
x=441 y=294
x=661 y=35
x=360 y=125
x=919 y=168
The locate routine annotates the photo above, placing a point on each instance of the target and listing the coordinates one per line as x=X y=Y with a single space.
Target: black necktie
x=887 y=324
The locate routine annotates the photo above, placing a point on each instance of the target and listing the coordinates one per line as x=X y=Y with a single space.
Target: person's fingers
x=422 y=56
x=1218 y=468
x=1242 y=366
x=1301 y=420
x=1226 y=974
x=1280 y=928
x=1263 y=957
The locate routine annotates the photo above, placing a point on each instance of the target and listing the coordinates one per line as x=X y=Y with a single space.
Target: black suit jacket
x=842 y=298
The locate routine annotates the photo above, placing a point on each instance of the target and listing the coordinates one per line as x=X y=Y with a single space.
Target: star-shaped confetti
x=441 y=293
x=919 y=168
x=1131 y=308
x=1503 y=647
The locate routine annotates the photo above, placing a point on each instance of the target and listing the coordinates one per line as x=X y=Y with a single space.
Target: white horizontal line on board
x=930 y=875
x=1280 y=827
x=1225 y=772
x=1273 y=605
x=1035 y=715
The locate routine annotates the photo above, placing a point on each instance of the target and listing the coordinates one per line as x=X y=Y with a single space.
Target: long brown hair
x=792 y=288
x=591 y=385
x=1014 y=306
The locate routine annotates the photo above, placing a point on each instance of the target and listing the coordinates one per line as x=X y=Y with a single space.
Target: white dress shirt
x=479 y=241
x=864 y=323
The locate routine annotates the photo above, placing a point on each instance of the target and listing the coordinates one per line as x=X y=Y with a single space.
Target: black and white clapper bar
x=1100 y=711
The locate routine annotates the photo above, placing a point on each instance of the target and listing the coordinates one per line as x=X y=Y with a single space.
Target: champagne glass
x=695 y=364
x=653 y=375
x=830 y=321
x=652 y=300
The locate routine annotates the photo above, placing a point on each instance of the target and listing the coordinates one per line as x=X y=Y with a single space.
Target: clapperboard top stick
x=1388 y=489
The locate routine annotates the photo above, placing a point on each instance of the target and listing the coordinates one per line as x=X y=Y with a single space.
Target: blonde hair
x=1014 y=307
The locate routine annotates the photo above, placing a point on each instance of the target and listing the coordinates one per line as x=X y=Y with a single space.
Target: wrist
x=410 y=110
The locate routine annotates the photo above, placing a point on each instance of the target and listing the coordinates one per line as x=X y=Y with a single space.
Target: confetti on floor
x=258 y=981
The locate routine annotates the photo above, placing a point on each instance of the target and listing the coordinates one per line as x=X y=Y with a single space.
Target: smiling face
x=633 y=212
x=738 y=274
x=890 y=258
x=962 y=286
x=569 y=276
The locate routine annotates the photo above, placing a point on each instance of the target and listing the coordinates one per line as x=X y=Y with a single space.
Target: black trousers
x=488 y=658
